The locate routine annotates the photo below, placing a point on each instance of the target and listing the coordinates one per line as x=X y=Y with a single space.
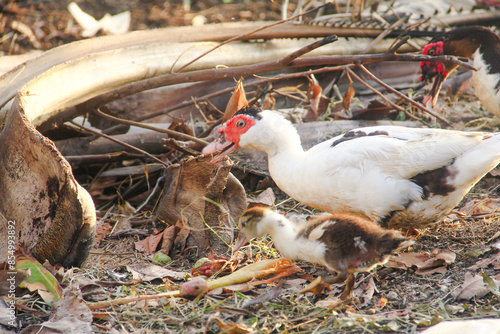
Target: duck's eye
x=431 y=52
x=241 y=123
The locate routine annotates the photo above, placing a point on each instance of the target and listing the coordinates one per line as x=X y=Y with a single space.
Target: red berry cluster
x=206 y=270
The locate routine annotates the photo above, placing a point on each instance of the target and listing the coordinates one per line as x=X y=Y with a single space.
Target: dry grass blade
x=149 y=127
x=121 y=143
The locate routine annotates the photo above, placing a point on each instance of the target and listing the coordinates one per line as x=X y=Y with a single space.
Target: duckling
x=342 y=242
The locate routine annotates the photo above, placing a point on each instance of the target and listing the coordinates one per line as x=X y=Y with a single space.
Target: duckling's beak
x=220 y=146
x=241 y=240
x=436 y=88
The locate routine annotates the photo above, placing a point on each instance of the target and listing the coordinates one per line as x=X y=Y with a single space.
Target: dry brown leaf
x=473 y=287
x=182 y=128
x=266 y=296
x=266 y=198
x=493 y=261
x=182 y=233
x=427 y=264
x=443 y=254
x=348 y=96
x=150 y=243
x=376 y=110
x=102 y=231
x=237 y=101
x=125 y=208
x=314 y=94
x=269 y=102
x=481 y=206
x=168 y=239
x=231 y=328
x=366 y=291
x=97 y=187
x=71 y=315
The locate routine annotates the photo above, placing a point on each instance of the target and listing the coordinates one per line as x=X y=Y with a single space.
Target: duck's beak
x=436 y=88
x=241 y=241
x=221 y=147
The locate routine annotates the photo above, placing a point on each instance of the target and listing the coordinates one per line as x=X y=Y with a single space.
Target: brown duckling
x=344 y=243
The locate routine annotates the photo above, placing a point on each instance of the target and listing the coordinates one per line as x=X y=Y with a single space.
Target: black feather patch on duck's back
x=353 y=134
x=250 y=111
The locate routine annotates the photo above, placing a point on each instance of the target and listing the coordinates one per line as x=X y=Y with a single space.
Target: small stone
x=423 y=296
x=199 y=20
x=391 y=295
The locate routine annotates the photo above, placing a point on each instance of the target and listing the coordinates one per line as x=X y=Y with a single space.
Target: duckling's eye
x=243 y=224
x=431 y=52
x=241 y=123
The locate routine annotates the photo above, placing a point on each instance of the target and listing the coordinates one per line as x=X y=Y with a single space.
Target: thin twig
x=178 y=147
x=403 y=38
x=303 y=100
x=383 y=34
x=119 y=142
x=171 y=133
x=247 y=35
x=398 y=44
x=401 y=95
x=80 y=160
x=376 y=91
x=308 y=48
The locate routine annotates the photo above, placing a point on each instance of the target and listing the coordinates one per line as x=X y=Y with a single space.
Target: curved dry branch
x=241 y=71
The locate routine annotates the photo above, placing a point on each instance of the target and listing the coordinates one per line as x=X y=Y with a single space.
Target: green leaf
x=40 y=280
x=492 y=285
x=161 y=258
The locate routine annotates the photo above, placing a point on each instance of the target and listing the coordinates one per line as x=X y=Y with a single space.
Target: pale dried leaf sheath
x=124 y=65
x=102 y=72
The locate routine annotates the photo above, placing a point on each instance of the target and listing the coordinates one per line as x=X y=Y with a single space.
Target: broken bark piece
x=208 y=197
x=41 y=204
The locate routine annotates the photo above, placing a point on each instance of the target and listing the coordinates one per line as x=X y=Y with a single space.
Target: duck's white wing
x=400 y=152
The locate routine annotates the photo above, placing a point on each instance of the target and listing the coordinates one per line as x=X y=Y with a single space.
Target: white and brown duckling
x=344 y=243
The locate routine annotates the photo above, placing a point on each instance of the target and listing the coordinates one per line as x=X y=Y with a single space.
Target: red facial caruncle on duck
x=237 y=126
x=431 y=69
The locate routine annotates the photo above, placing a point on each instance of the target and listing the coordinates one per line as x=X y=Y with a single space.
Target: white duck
x=344 y=243
x=400 y=177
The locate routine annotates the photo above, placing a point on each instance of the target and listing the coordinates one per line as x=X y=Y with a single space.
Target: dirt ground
x=402 y=298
